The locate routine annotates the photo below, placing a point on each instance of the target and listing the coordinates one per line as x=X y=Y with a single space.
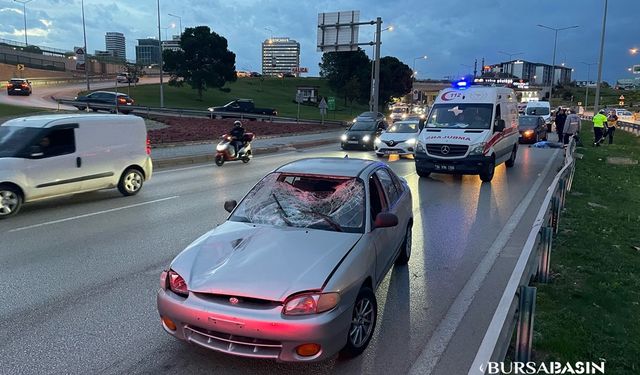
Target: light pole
x=270 y=33
x=586 y=93
x=511 y=58
x=375 y=65
x=161 y=63
x=414 y=64
x=179 y=21
x=555 y=43
x=596 y=104
x=86 y=56
x=167 y=28
x=24 y=13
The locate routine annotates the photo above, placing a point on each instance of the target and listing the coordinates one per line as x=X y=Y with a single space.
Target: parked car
x=291 y=275
x=19 y=86
x=400 y=138
x=105 y=101
x=532 y=129
x=243 y=106
x=243 y=74
x=127 y=78
x=362 y=133
x=56 y=155
x=256 y=74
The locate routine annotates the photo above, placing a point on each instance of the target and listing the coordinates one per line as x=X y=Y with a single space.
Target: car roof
x=328 y=166
x=18 y=79
x=108 y=92
x=42 y=121
x=523 y=116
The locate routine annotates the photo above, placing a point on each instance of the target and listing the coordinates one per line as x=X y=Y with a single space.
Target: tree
x=204 y=60
x=340 y=68
x=395 y=78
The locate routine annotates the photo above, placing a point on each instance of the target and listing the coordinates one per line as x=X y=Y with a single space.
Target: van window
x=537 y=111
x=57 y=142
x=14 y=139
x=461 y=116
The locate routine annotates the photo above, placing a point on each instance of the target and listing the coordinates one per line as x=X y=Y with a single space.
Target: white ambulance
x=470 y=130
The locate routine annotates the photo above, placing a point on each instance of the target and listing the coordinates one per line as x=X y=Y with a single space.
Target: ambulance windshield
x=461 y=116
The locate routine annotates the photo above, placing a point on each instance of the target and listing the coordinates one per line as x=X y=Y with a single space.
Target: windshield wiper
x=328 y=219
x=283 y=213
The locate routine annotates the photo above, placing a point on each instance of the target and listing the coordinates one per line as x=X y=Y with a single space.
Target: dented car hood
x=262 y=261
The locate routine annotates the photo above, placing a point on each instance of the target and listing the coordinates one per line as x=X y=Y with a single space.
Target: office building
x=538 y=74
x=98 y=53
x=280 y=56
x=115 y=44
x=173 y=44
x=148 y=52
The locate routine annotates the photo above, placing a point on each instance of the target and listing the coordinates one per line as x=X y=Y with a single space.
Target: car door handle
x=78 y=162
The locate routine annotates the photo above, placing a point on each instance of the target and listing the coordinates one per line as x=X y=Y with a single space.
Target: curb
x=204 y=158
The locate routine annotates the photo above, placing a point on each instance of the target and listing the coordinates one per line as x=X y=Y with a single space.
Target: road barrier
x=180 y=112
x=516 y=309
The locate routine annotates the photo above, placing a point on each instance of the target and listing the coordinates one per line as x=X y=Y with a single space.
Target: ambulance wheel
x=423 y=172
x=512 y=160
x=487 y=174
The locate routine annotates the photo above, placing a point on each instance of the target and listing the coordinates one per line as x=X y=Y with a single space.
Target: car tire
x=488 y=171
x=11 y=200
x=405 y=250
x=219 y=160
x=423 y=173
x=512 y=160
x=131 y=182
x=363 y=323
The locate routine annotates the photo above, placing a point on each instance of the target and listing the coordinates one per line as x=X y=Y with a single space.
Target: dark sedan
x=362 y=133
x=104 y=100
x=18 y=86
x=532 y=129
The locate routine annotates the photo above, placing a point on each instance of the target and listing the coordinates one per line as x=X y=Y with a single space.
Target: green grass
x=610 y=97
x=591 y=310
x=269 y=93
x=14 y=110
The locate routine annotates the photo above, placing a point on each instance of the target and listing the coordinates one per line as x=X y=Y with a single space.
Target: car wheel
x=487 y=174
x=512 y=160
x=363 y=323
x=131 y=182
x=10 y=201
x=423 y=172
x=219 y=160
x=405 y=251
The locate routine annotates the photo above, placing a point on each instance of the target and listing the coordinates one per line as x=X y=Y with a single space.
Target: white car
x=400 y=138
x=56 y=155
x=624 y=115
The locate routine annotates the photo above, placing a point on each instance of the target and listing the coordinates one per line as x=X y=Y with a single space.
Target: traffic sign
x=621 y=97
x=299 y=97
x=331 y=103
x=20 y=67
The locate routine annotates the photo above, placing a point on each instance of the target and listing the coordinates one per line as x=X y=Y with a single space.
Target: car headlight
x=477 y=149
x=410 y=141
x=343 y=138
x=420 y=148
x=306 y=304
x=210 y=109
x=528 y=132
x=366 y=138
x=177 y=283
x=377 y=140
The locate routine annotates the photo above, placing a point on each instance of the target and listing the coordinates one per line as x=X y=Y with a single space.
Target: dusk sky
x=450 y=32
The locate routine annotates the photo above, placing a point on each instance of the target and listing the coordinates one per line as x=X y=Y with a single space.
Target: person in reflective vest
x=599 y=122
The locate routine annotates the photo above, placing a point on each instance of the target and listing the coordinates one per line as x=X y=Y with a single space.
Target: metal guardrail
x=147 y=111
x=516 y=308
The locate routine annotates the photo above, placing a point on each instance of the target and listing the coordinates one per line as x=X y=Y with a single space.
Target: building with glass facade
x=115 y=43
x=148 y=51
x=280 y=56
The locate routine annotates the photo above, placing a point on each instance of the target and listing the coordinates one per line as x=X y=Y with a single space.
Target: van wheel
x=487 y=174
x=423 y=172
x=405 y=250
x=512 y=160
x=10 y=201
x=130 y=182
x=363 y=323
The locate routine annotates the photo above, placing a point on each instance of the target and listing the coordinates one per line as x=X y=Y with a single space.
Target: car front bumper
x=384 y=149
x=253 y=332
x=356 y=145
x=470 y=164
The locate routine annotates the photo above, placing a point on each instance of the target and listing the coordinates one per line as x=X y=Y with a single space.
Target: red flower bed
x=187 y=129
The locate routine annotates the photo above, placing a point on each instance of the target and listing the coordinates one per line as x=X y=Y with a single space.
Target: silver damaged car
x=291 y=274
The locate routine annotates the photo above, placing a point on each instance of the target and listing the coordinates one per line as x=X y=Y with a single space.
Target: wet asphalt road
x=80 y=274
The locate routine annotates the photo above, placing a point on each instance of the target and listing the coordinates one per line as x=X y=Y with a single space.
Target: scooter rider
x=237 y=134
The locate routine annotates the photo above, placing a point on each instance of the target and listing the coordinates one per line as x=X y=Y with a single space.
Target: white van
x=469 y=131
x=56 y=155
x=540 y=108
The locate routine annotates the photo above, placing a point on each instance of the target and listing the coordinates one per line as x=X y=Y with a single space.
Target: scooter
x=226 y=152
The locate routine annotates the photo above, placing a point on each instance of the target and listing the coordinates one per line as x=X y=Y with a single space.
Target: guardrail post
x=562 y=183
x=526 y=312
x=544 y=262
x=555 y=213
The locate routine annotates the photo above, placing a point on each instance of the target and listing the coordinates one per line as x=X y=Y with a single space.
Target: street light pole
x=24 y=14
x=86 y=55
x=161 y=63
x=179 y=21
x=376 y=90
x=586 y=93
x=596 y=104
x=414 y=64
x=555 y=43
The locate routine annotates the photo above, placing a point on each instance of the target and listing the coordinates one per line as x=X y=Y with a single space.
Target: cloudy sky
x=451 y=32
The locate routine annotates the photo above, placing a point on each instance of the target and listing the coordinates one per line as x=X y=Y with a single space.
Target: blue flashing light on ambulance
x=471 y=129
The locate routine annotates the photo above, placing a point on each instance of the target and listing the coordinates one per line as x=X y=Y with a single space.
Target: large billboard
x=337 y=31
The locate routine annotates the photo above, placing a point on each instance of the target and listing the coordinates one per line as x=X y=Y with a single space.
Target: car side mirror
x=35 y=151
x=230 y=205
x=385 y=220
x=499 y=126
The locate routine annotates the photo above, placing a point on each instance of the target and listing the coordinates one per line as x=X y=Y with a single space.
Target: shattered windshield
x=461 y=116
x=303 y=201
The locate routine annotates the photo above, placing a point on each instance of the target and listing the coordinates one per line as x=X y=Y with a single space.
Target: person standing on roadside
x=561 y=118
x=571 y=126
x=612 y=122
x=599 y=122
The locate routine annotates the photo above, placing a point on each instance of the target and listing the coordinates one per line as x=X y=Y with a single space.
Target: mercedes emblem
x=445 y=150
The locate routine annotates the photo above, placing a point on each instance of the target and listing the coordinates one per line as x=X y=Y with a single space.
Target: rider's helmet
x=237 y=124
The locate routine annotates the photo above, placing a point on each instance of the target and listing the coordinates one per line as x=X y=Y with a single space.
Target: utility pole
x=586 y=94
x=376 y=90
x=596 y=105
x=475 y=68
x=161 y=63
x=86 y=55
x=555 y=43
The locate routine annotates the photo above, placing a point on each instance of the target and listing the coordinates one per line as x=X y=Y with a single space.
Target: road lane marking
x=91 y=214
x=437 y=344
